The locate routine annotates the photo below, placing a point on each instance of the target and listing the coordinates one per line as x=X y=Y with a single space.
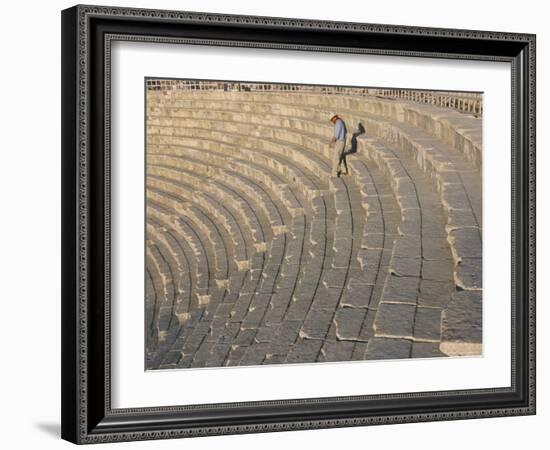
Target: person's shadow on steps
x=359 y=132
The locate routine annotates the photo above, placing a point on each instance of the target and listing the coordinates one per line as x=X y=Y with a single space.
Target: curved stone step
x=178 y=264
x=234 y=168
x=151 y=341
x=459 y=130
x=311 y=134
x=164 y=288
x=207 y=291
x=269 y=330
x=211 y=149
x=275 y=132
x=168 y=190
x=258 y=304
x=188 y=171
x=288 y=159
x=202 y=269
x=165 y=324
x=158 y=217
x=203 y=319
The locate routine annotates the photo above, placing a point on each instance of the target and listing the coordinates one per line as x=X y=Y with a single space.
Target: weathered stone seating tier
x=292 y=254
x=270 y=150
x=307 y=130
x=179 y=274
x=184 y=169
x=306 y=182
x=167 y=193
x=227 y=187
x=174 y=239
x=164 y=323
x=194 y=245
x=459 y=130
x=229 y=166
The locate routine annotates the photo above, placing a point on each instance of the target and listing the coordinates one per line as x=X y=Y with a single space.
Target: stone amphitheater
x=255 y=255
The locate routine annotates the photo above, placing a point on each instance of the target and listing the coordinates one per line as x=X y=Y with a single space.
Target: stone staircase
x=256 y=256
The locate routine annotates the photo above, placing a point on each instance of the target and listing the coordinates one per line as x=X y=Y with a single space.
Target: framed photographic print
x=278 y=224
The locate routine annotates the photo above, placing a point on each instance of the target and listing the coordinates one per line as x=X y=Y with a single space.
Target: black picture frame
x=87 y=33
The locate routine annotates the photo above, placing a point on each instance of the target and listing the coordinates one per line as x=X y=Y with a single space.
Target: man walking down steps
x=338 y=141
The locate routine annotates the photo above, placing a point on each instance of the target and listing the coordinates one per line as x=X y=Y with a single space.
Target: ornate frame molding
x=80 y=416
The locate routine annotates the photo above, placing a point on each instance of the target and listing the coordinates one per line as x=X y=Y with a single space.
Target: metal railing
x=463 y=101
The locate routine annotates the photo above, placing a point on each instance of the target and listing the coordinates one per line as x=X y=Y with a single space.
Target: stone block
x=400 y=289
x=240 y=308
x=369 y=259
x=405 y=188
x=342 y=248
x=427 y=324
x=255 y=354
x=326 y=298
x=254 y=317
x=335 y=278
x=288 y=331
x=395 y=320
x=435 y=293
x=299 y=305
x=407 y=247
x=426 y=350
x=343 y=226
x=333 y=351
x=244 y=337
x=435 y=248
x=348 y=323
x=218 y=354
x=405 y=267
x=373 y=241
x=171 y=359
x=462 y=320
x=304 y=350
x=384 y=348
x=465 y=243
x=468 y=274
x=374 y=223
x=274 y=359
x=410 y=222
x=453 y=196
x=359 y=351
x=437 y=270
x=316 y=324
x=356 y=295
x=408 y=203
x=460 y=219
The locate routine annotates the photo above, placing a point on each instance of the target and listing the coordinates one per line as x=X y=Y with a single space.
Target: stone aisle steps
x=275 y=331
x=419 y=283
